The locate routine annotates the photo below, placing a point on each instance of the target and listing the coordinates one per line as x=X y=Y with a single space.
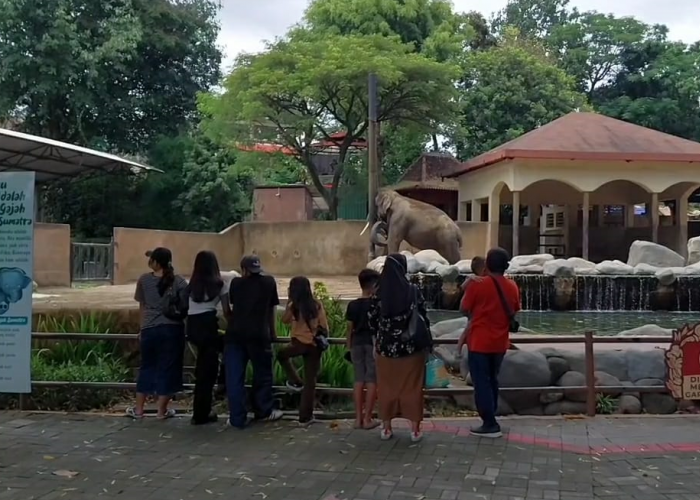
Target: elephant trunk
x=379 y=234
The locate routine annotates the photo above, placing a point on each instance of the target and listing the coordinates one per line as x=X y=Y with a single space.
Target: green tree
x=216 y=194
x=116 y=72
x=310 y=85
x=508 y=91
x=657 y=87
x=534 y=19
x=592 y=45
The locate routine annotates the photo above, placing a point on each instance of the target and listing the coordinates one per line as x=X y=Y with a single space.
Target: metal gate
x=92 y=261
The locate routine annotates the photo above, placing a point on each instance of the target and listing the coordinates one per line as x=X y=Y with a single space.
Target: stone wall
x=52 y=254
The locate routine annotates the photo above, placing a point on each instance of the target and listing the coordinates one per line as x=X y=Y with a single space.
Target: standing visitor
x=491 y=304
x=399 y=317
x=360 y=344
x=249 y=336
x=308 y=320
x=206 y=290
x=162 y=310
x=478 y=266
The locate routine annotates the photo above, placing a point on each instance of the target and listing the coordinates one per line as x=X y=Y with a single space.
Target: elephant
x=420 y=224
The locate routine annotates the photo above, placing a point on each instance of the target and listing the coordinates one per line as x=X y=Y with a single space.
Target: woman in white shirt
x=206 y=291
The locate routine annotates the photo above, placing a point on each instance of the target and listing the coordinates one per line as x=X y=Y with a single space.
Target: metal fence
x=92 y=261
x=589 y=340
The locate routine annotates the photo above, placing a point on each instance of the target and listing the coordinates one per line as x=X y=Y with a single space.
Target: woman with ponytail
x=160 y=294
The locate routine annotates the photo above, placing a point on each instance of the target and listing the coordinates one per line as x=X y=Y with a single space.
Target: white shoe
x=274 y=416
x=386 y=434
x=416 y=437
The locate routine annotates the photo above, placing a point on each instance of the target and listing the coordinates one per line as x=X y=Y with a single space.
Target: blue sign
x=16 y=271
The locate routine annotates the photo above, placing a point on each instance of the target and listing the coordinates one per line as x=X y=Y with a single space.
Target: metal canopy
x=52 y=160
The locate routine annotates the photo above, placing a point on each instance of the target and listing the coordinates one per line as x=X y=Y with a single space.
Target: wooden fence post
x=590 y=375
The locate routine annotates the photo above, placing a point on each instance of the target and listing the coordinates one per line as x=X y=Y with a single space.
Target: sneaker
x=131 y=412
x=294 y=387
x=386 y=434
x=416 y=437
x=487 y=432
x=274 y=416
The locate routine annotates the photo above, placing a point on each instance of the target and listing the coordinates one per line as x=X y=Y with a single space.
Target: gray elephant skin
x=419 y=224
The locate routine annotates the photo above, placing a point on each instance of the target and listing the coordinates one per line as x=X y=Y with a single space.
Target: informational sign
x=16 y=278
x=683 y=363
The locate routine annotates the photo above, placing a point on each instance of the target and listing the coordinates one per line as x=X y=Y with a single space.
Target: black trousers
x=203 y=334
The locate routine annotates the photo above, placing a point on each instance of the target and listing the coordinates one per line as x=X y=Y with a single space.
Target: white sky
x=246 y=25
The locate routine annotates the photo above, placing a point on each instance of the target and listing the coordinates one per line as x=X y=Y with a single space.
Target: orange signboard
x=683 y=363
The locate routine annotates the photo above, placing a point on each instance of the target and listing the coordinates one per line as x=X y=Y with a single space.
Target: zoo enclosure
x=589 y=340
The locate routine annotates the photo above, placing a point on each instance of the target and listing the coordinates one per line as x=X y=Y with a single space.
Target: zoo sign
x=16 y=271
x=683 y=363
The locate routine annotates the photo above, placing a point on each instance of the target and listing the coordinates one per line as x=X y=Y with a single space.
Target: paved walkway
x=86 y=457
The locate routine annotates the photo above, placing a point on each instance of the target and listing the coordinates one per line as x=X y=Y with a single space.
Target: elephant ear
x=384 y=203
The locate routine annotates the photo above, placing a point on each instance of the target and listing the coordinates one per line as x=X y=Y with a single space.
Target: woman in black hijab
x=401 y=354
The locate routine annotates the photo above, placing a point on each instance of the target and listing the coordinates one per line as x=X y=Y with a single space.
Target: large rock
x=427 y=257
x=647 y=364
x=557 y=367
x=449 y=274
x=531 y=269
x=646 y=331
x=694 y=250
x=614 y=267
x=603 y=379
x=377 y=264
x=530 y=260
x=560 y=268
x=666 y=276
x=565 y=408
x=524 y=369
x=464 y=266
x=448 y=353
x=582 y=266
x=653 y=254
x=645 y=269
x=629 y=405
x=448 y=326
x=572 y=379
x=650 y=382
x=413 y=265
x=612 y=362
x=659 y=404
x=551 y=397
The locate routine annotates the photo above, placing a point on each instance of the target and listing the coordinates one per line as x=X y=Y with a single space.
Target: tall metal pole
x=372 y=157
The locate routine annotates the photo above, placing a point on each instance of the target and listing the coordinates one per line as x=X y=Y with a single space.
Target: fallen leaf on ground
x=65 y=473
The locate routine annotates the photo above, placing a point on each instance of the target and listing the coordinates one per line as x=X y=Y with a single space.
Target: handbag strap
x=506 y=307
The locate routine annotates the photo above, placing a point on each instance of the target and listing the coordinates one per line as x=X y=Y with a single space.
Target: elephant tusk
x=365 y=228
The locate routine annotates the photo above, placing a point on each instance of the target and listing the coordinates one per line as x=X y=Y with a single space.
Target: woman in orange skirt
x=403 y=341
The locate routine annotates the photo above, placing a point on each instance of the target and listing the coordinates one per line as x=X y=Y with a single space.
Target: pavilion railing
x=588 y=339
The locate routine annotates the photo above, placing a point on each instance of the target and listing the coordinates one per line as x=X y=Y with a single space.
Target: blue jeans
x=236 y=357
x=162 y=355
x=484 y=368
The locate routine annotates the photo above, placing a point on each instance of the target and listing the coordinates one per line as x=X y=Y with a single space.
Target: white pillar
x=462 y=210
x=585 y=222
x=629 y=215
x=516 y=223
x=476 y=211
x=533 y=215
x=682 y=221
x=494 y=219
x=654 y=220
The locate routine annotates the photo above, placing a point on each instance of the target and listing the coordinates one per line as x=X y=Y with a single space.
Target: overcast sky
x=245 y=25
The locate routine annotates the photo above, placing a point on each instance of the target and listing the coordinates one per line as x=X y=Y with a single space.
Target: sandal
x=131 y=413
x=169 y=413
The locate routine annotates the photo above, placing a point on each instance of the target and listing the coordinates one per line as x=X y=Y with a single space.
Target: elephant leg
x=393 y=243
x=452 y=254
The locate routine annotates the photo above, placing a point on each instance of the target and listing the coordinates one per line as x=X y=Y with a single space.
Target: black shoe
x=487 y=432
x=213 y=418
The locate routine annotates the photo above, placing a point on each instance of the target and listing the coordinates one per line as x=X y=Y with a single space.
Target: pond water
x=578 y=322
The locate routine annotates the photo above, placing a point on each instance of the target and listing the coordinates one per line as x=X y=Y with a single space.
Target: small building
x=290 y=203
x=424 y=181
x=571 y=187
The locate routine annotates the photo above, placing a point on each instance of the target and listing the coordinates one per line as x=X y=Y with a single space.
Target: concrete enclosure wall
x=52 y=254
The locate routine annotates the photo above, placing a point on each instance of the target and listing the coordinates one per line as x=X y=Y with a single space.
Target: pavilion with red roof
x=572 y=186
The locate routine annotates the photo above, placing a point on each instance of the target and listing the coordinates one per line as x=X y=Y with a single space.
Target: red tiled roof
x=266 y=148
x=592 y=137
x=428 y=172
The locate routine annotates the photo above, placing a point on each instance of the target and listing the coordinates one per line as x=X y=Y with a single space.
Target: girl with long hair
x=401 y=354
x=206 y=291
x=306 y=316
x=162 y=336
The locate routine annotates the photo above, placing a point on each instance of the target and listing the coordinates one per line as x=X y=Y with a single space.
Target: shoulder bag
x=513 y=324
x=417 y=332
x=176 y=303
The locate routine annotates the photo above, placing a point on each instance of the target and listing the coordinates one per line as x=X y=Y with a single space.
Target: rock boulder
x=524 y=369
x=582 y=266
x=644 y=365
x=529 y=260
x=646 y=331
x=464 y=266
x=646 y=252
x=614 y=267
x=573 y=379
x=377 y=264
x=426 y=257
x=565 y=408
x=629 y=405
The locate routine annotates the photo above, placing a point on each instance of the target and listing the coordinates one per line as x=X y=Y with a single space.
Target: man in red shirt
x=488 y=338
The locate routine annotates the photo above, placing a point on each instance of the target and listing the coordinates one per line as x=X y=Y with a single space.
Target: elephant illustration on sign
x=12 y=283
x=419 y=224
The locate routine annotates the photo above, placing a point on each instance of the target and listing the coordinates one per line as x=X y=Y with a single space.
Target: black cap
x=251 y=263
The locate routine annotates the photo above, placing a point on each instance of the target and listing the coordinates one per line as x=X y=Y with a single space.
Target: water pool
x=575 y=322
